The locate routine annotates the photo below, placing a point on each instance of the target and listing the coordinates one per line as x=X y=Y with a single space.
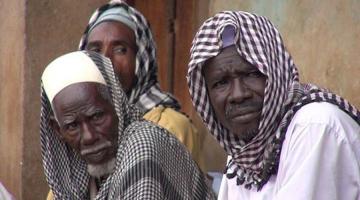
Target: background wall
x=322 y=36
x=12 y=48
x=33 y=33
x=173 y=24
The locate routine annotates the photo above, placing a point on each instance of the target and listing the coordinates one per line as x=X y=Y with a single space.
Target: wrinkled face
x=236 y=91
x=87 y=122
x=117 y=42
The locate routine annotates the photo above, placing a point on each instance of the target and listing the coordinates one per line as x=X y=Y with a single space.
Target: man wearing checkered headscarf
x=306 y=140
x=139 y=161
x=123 y=34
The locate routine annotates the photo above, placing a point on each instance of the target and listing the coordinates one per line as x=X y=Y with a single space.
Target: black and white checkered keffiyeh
x=260 y=43
x=146 y=93
x=150 y=162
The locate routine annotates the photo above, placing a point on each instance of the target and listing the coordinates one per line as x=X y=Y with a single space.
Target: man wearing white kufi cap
x=69 y=69
x=94 y=145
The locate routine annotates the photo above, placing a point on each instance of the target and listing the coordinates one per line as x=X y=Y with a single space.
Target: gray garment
x=158 y=167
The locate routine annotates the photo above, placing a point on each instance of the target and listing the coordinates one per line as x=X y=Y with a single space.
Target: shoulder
x=145 y=135
x=171 y=119
x=322 y=123
x=324 y=113
x=160 y=113
x=317 y=111
x=147 y=130
x=322 y=142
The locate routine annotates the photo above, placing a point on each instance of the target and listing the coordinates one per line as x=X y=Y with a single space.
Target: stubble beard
x=101 y=170
x=248 y=135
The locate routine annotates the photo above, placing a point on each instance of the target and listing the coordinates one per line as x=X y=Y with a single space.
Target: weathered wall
x=52 y=29
x=11 y=77
x=322 y=36
x=32 y=34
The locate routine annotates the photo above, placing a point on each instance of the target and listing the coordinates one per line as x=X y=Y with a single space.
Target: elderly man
x=95 y=145
x=284 y=139
x=122 y=34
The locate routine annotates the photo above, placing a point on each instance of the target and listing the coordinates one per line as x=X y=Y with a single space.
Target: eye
x=120 y=49
x=94 y=48
x=97 y=116
x=255 y=74
x=220 y=83
x=71 y=128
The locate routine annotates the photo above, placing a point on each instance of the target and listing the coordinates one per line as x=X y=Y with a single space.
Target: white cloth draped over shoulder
x=320 y=159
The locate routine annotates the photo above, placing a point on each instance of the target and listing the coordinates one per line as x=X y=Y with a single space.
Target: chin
x=100 y=170
x=247 y=135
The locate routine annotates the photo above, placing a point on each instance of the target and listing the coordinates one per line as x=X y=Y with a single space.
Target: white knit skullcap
x=75 y=67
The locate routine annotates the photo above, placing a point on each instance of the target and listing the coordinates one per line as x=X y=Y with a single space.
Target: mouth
x=244 y=116
x=95 y=157
x=95 y=154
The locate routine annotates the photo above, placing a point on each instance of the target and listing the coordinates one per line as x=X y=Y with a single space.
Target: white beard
x=101 y=170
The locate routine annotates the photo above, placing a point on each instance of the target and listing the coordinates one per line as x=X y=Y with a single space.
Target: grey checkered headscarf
x=150 y=162
x=65 y=171
x=259 y=43
x=146 y=93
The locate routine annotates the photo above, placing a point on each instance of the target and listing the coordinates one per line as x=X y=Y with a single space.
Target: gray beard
x=101 y=170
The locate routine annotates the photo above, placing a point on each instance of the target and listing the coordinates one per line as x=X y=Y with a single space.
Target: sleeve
x=318 y=162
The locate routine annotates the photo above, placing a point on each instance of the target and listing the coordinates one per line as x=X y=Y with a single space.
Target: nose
x=106 y=51
x=89 y=135
x=239 y=91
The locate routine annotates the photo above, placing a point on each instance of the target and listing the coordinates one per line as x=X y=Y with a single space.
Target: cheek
x=120 y=65
x=110 y=129
x=124 y=67
x=218 y=104
x=259 y=87
x=114 y=130
x=72 y=142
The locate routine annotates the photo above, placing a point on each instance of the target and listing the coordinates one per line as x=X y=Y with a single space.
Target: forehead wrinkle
x=67 y=100
x=111 y=28
x=230 y=62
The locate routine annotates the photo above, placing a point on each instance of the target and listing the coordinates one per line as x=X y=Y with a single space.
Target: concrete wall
x=12 y=48
x=32 y=34
x=322 y=36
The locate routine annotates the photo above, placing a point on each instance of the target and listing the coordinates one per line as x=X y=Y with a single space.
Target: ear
x=55 y=126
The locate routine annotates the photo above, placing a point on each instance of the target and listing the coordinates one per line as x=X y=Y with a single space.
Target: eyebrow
x=115 y=42
x=93 y=43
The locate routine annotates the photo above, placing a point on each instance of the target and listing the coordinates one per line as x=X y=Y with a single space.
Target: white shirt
x=320 y=160
x=4 y=194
